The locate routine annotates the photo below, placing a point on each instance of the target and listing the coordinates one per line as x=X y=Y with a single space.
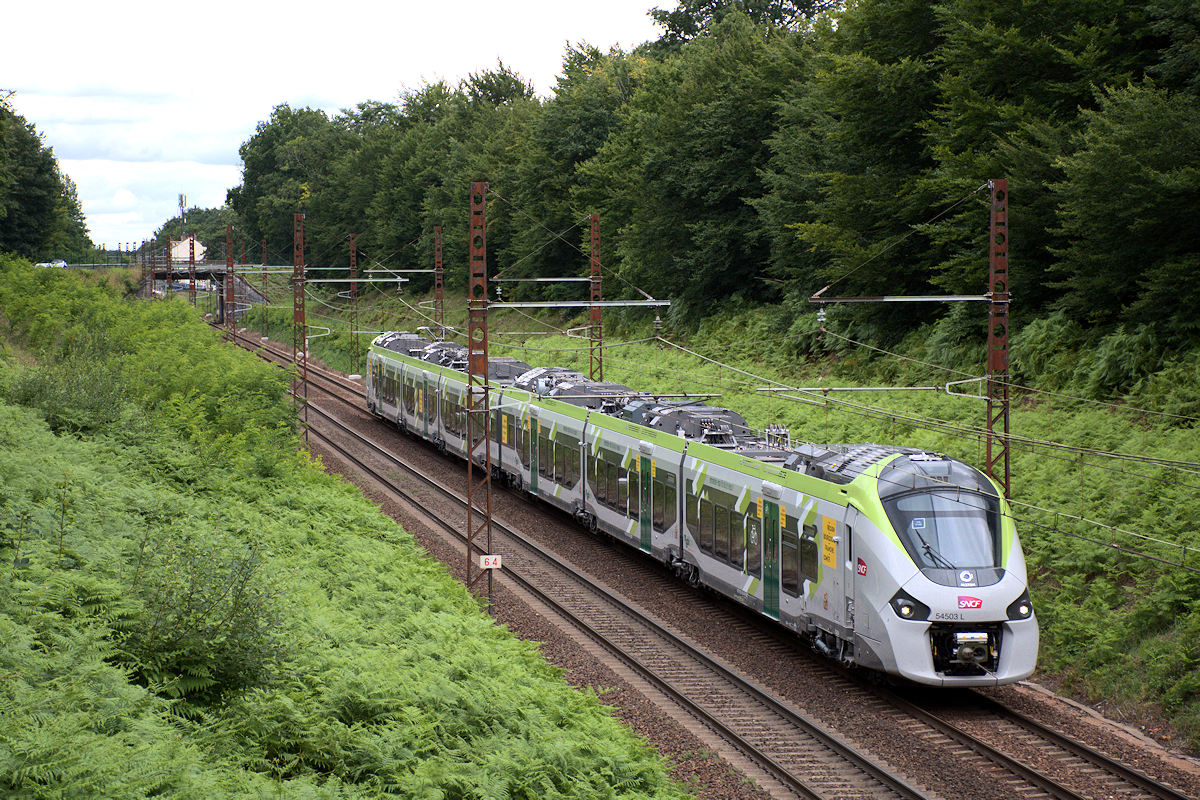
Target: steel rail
x=1138 y=779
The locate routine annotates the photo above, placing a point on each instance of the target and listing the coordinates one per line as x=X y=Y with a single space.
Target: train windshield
x=942 y=530
x=947 y=515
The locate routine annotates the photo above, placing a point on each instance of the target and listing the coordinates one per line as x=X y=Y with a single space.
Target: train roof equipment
x=700 y=422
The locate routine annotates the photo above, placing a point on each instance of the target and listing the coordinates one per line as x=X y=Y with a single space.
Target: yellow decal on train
x=760 y=508
x=828 y=545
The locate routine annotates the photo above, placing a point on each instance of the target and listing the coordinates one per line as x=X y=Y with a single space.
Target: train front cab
x=939 y=577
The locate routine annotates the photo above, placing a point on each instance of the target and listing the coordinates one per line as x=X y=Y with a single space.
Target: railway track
x=997 y=742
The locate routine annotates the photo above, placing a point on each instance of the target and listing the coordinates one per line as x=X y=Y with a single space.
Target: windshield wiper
x=934 y=555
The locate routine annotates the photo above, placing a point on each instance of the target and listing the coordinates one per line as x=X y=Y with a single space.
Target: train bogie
x=887 y=558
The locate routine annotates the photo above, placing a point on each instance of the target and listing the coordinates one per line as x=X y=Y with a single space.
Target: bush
x=209 y=622
x=81 y=391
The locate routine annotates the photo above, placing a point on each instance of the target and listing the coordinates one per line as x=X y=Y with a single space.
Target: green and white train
x=889 y=558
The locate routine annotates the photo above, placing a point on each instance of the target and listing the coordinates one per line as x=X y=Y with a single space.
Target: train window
x=613 y=479
x=737 y=539
x=658 y=515
x=706 y=526
x=789 y=563
x=669 y=500
x=566 y=459
x=599 y=480
x=635 y=494
x=691 y=509
x=622 y=488
x=545 y=456
x=431 y=408
x=573 y=456
x=754 y=546
x=809 y=557
x=721 y=535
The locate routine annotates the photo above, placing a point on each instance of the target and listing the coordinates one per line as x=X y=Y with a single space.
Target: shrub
x=209 y=623
x=81 y=391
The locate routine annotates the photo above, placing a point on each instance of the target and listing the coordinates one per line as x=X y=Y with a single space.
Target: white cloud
x=153 y=99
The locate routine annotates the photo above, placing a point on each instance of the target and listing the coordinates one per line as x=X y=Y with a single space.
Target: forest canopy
x=758 y=151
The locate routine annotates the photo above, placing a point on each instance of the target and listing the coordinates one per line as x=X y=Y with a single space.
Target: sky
x=143 y=102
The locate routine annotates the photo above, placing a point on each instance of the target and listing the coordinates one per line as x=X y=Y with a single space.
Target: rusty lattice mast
x=479 y=456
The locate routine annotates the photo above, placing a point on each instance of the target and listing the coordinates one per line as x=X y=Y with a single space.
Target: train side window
x=789 y=562
x=737 y=539
x=599 y=481
x=613 y=479
x=669 y=501
x=691 y=511
x=706 y=526
x=595 y=478
x=658 y=512
x=574 y=470
x=721 y=536
x=754 y=546
x=560 y=463
x=635 y=493
x=622 y=488
x=545 y=455
x=808 y=552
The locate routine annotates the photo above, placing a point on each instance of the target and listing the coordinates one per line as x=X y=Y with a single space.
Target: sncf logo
x=969 y=602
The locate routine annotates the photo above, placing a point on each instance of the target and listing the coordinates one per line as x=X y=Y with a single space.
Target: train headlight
x=908 y=607
x=1021 y=608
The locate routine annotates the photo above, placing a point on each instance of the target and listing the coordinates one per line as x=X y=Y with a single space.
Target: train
x=893 y=559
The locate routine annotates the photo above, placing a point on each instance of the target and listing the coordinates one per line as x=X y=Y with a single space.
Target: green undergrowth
x=1116 y=627
x=191 y=607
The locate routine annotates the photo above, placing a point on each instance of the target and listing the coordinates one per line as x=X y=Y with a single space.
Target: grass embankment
x=1116 y=628
x=189 y=607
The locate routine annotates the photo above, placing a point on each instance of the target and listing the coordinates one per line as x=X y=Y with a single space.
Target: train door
x=854 y=571
x=770 y=555
x=834 y=581
x=646 y=473
x=535 y=433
